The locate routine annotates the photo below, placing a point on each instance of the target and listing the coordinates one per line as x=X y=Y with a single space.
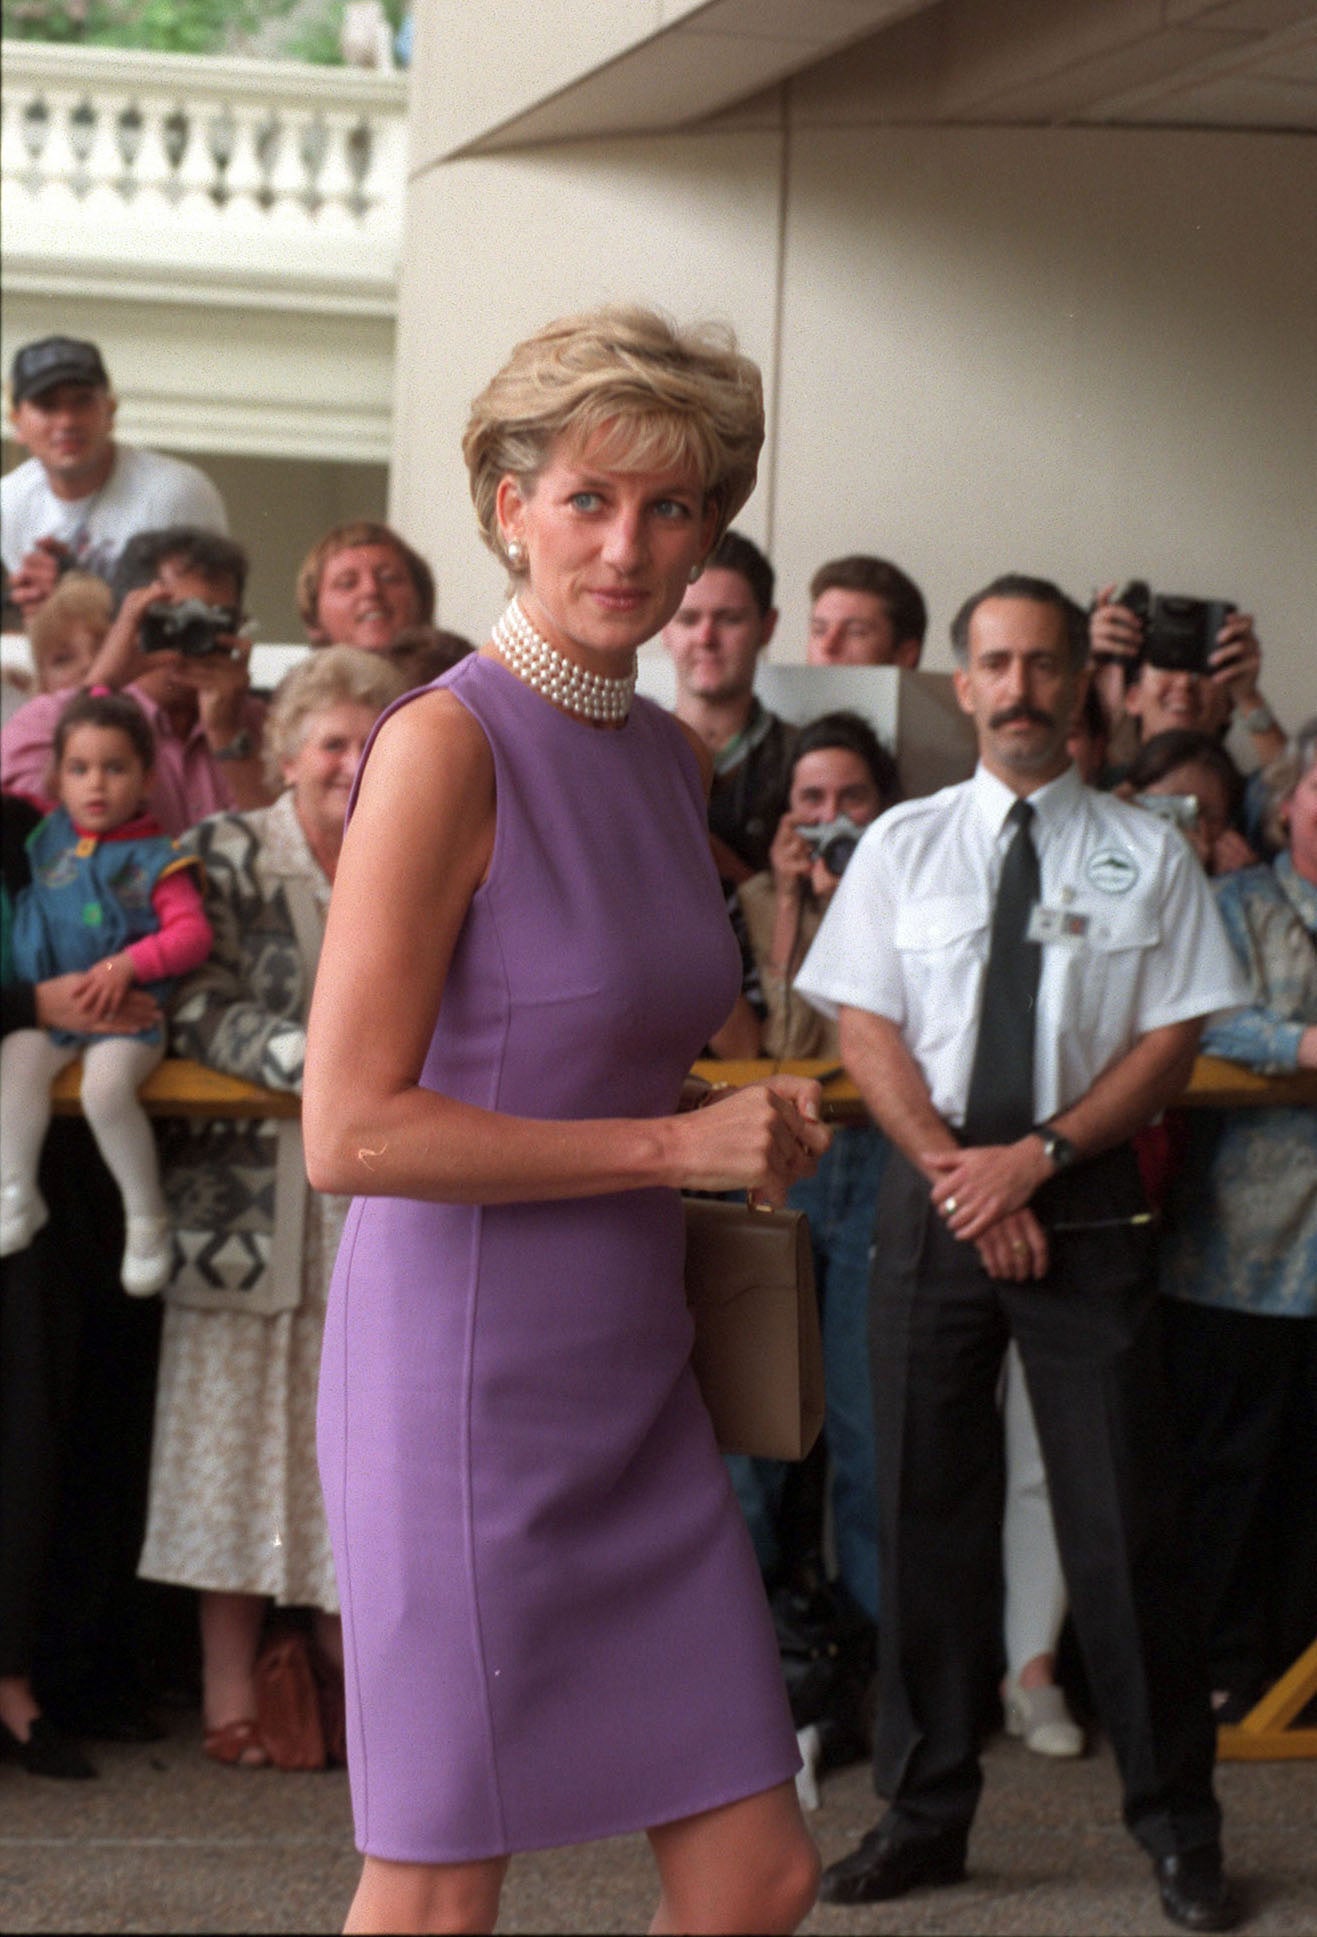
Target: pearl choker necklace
x=591 y=696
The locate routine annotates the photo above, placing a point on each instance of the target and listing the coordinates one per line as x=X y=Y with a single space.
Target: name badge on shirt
x=1056 y=925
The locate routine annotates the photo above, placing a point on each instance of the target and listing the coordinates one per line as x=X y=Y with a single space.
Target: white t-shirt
x=1139 y=942
x=143 y=492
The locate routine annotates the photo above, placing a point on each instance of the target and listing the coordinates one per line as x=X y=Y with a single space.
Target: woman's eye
x=672 y=508
x=585 y=501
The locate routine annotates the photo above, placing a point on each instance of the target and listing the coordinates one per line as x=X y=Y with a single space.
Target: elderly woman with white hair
x=235 y=1508
x=1239 y=1267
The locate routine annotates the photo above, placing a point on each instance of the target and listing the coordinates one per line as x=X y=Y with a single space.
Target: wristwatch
x=1058 y=1150
x=1260 y=720
x=240 y=747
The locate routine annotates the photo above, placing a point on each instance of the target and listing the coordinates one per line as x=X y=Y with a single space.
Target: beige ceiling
x=1180 y=63
x=1172 y=63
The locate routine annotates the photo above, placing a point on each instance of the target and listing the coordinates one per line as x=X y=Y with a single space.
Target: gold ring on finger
x=1019 y=1248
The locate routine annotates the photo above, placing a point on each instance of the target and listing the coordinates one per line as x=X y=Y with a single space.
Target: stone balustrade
x=121 y=159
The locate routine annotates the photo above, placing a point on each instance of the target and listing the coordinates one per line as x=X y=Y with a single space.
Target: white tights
x=112 y=1069
x=1035 y=1585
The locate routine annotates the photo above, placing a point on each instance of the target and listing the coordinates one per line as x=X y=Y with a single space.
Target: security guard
x=1021 y=968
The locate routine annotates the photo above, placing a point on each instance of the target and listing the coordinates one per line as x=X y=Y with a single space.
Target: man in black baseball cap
x=82 y=496
x=38 y=367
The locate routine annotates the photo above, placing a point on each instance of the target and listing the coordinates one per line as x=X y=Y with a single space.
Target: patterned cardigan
x=237 y=1190
x=1241 y=1219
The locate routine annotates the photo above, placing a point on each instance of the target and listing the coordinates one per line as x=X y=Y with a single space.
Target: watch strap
x=1059 y=1150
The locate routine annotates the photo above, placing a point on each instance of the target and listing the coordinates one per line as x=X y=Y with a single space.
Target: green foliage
x=187 y=26
x=58 y=19
x=165 y=26
x=317 y=40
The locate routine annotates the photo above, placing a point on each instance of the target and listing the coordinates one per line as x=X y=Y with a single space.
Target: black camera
x=191 y=627
x=1179 y=633
x=833 y=842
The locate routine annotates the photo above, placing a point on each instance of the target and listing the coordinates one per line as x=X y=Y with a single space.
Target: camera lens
x=836 y=853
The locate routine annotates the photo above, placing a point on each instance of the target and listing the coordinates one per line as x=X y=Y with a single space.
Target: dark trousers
x=1242 y=1388
x=38 y=1346
x=77 y=1384
x=1088 y=1341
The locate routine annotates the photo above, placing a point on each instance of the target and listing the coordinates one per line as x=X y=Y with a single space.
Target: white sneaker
x=1039 y=1718
x=22 y=1214
x=148 y=1256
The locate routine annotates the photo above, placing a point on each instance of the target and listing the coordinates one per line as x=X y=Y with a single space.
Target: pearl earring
x=516 y=554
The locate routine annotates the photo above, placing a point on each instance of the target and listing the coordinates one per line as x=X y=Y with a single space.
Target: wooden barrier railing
x=179 y=1087
x=1215 y=1084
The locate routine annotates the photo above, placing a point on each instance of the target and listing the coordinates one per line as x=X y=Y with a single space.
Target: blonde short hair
x=655 y=395
x=333 y=676
x=79 y=599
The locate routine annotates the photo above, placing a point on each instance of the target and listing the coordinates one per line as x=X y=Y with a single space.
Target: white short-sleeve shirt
x=906 y=937
x=144 y=492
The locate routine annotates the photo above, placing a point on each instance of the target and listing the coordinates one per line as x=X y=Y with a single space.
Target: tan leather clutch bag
x=758 y=1354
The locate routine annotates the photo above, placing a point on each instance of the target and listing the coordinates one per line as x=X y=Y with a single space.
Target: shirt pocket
x=937 y=922
x=1107 y=973
x=941 y=943
x=1121 y=925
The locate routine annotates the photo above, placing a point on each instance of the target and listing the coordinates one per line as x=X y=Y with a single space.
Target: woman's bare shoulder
x=435 y=742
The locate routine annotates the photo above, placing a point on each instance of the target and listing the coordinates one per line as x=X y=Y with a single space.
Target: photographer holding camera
x=175 y=645
x=841 y=779
x=1163 y=664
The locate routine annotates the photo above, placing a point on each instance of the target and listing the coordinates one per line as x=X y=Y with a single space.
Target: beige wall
x=1085 y=353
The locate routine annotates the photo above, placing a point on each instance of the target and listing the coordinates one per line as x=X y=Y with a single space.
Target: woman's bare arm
x=414 y=856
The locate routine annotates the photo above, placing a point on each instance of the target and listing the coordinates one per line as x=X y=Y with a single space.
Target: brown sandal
x=238 y=1745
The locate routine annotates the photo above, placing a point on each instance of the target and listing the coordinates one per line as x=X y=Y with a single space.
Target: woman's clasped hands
x=763 y=1138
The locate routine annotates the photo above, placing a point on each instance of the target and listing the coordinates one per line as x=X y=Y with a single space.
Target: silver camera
x=1181 y=810
x=833 y=842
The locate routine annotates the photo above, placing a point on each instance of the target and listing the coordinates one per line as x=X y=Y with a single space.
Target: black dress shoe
x=47 y=1752
x=1194 y=1891
x=889 y=1862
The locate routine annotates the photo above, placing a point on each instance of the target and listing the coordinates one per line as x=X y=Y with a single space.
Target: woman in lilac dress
x=553 y=1623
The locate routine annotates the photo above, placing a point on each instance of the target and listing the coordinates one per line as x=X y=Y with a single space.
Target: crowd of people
x=171 y=839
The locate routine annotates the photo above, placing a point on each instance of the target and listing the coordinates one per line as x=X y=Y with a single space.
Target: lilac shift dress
x=554 y=1625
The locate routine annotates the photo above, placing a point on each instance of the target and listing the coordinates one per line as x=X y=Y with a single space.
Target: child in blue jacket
x=114 y=900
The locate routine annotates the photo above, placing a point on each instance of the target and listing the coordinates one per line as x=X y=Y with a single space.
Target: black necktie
x=1000 y=1105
